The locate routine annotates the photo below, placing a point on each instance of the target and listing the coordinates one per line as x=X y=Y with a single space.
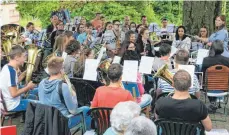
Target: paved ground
x=216 y=124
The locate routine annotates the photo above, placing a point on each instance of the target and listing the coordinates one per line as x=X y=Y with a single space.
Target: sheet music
x=101 y=52
x=90 y=72
x=217 y=132
x=170 y=28
x=190 y=69
x=146 y=65
x=130 y=69
x=173 y=51
x=116 y=59
x=156 y=49
x=202 y=53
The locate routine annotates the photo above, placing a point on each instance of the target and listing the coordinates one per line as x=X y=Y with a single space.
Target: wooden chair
x=217 y=79
x=178 y=127
x=100 y=119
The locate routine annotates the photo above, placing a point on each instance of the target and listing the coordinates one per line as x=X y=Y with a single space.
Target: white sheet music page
x=101 y=52
x=130 y=69
x=146 y=65
x=217 y=132
x=202 y=53
x=190 y=69
x=90 y=72
x=116 y=59
x=173 y=50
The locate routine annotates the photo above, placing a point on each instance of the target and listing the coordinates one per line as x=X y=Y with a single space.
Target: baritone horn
x=164 y=74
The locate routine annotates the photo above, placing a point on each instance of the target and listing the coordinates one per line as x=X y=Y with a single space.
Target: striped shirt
x=165 y=87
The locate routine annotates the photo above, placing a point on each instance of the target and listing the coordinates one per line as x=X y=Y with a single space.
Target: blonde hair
x=59 y=43
x=55 y=65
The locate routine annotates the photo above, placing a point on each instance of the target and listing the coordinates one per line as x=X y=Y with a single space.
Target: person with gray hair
x=180 y=105
x=141 y=126
x=121 y=116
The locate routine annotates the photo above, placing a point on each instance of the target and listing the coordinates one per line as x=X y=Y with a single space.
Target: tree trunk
x=200 y=13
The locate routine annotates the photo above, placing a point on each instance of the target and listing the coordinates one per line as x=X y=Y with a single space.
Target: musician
x=144 y=21
x=80 y=29
x=83 y=21
x=118 y=33
x=130 y=52
x=129 y=37
x=164 y=33
x=133 y=26
x=87 y=38
x=181 y=58
x=143 y=44
x=9 y=81
x=220 y=34
x=73 y=51
x=126 y=24
x=30 y=36
x=165 y=51
x=181 y=40
x=57 y=32
x=180 y=106
x=109 y=96
x=203 y=36
x=60 y=97
x=60 y=44
x=108 y=27
x=53 y=26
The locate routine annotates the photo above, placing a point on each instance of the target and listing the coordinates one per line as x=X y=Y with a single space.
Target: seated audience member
x=215 y=58
x=109 y=96
x=181 y=40
x=141 y=126
x=182 y=58
x=73 y=51
x=80 y=29
x=9 y=81
x=49 y=93
x=121 y=117
x=180 y=105
x=165 y=51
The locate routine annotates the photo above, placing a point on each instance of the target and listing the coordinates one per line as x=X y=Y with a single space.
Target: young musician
x=9 y=81
x=29 y=35
x=129 y=37
x=220 y=34
x=144 y=21
x=181 y=40
x=164 y=33
x=87 y=38
x=53 y=26
x=203 y=35
x=80 y=29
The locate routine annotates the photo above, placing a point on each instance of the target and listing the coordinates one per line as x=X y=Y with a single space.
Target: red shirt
x=96 y=24
x=109 y=96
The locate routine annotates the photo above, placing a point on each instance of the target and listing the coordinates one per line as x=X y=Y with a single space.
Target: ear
x=173 y=84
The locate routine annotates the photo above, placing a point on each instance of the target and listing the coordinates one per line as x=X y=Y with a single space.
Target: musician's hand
x=22 y=76
x=30 y=85
x=209 y=43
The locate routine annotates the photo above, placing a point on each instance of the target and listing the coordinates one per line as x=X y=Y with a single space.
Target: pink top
x=140 y=87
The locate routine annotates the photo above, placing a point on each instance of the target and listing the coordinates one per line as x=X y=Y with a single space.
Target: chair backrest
x=178 y=127
x=84 y=91
x=132 y=88
x=217 y=78
x=101 y=119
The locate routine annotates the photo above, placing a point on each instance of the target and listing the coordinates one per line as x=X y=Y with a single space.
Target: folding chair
x=217 y=80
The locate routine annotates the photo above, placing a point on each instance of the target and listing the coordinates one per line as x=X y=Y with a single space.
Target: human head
x=122 y=114
x=30 y=26
x=89 y=53
x=133 y=26
x=97 y=16
x=126 y=20
x=144 y=33
x=203 y=33
x=81 y=28
x=220 y=22
x=89 y=28
x=216 y=48
x=17 y=54
x=131 y=46
x=115 y=73
x=83 y=20
x=73 y=48
x=108 y=26
x=60 y=25
x=182 y=81
x=130 y=36
x=180 y=33
x=139 y=27
x=54 y=20
x=164 y=22
x=55 y=65
x=141 y=126
x=165 y=49
x=69 y=35
x=116 y=24
x=144 y=20
x=182 y=57
x=60 y=42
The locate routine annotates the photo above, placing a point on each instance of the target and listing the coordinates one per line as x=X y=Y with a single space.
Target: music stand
x=171 y=28
x=153 y=27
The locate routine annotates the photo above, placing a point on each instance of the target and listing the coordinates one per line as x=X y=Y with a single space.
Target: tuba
x=33 y=53
x=165 y=74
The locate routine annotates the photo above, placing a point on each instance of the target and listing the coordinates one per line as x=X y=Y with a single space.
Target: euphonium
x=70 y=86
x=33 y=52
x=165 y=74
x=104 y=65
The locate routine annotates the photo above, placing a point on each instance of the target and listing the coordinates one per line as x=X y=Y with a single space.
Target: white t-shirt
x=8 y=78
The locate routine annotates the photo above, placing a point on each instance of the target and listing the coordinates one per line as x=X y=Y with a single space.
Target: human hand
x=30 y=85
x=22 y=75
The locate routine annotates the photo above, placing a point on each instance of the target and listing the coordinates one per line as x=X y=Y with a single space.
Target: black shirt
x=192 y=110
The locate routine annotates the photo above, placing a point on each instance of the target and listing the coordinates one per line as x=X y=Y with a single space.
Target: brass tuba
x=165 y=74
x=33 y=53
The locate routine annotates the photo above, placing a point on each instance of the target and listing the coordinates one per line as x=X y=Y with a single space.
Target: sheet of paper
x=130 y=69
x=190 y=69
x=202 y=53
x=101 y=52
x=146 y=65
x=116 y=59
x=217 y=132
x=173 y=50
x=90 y=72
x=156 y=49
x=170 y=28
x=64 y=55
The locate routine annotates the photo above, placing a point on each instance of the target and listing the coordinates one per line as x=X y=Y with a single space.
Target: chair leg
x=2 y=120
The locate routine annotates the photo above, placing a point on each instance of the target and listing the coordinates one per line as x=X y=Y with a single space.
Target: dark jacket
x=216 y=60
x=44 y=120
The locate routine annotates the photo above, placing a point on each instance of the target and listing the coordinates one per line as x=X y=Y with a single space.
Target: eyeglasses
x=117 y=24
